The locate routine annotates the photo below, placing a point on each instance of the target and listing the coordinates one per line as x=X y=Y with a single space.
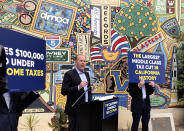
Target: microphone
x=80 y=96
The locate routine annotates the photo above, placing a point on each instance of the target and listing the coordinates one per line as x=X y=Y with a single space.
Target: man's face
x=80 y=62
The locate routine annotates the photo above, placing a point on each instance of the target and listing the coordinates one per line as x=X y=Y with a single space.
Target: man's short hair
x=75 y=58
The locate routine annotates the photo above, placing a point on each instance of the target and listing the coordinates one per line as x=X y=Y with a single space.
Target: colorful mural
x=104 y=32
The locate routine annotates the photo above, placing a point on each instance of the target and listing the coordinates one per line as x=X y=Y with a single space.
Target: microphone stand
x=80 y=97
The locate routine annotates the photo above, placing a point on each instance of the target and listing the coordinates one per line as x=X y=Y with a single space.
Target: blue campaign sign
x=110 y=108
x=147 y=66
x=25 y=60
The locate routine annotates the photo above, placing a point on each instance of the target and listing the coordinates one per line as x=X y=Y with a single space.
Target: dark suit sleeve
x=2 y=70
x=134 y=90
x=3 y=62
x=67 y=87
x=150 y=89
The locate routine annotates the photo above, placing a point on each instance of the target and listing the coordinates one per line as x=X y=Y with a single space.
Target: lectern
x=98 y=115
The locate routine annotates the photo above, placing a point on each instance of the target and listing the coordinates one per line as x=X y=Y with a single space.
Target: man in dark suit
x=75 y=83
x=140 y=104
x=11 y=104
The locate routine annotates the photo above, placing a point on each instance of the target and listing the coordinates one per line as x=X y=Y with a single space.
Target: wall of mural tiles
x=104 y=31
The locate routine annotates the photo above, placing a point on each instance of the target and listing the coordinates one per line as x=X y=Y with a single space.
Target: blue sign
x=54 y=18
x=25 y=60
x=52 y=41
x=110 y=108
x=147 y=66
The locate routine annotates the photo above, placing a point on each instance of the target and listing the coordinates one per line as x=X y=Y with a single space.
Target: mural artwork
x=104 y=32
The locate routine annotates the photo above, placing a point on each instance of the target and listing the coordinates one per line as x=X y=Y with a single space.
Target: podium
x=98 y=115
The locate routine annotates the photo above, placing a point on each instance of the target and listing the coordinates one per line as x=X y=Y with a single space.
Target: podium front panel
x=90 y=116
x=110 y=108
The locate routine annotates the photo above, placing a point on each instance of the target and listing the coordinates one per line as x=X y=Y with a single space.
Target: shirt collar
x=78 y=71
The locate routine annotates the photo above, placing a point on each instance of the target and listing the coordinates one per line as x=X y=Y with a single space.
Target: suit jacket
x=70 y=84
x=18 y=102
x=136 y=94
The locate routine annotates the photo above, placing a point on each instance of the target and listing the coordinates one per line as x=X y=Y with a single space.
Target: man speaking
x=75 y=83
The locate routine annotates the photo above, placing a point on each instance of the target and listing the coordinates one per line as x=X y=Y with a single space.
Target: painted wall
x=102 y=30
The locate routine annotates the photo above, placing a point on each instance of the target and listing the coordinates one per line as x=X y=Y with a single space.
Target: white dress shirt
x=83 y=78
x=143 y=92
x=6 y=96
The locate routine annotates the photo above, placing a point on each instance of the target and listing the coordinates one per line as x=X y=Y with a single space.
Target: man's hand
x=152 y=83
x=141 y=83
x=83 y=84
